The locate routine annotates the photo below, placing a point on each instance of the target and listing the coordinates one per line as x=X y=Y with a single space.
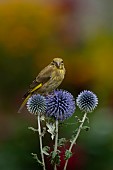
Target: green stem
x=76 y=137
x=40 y=139
x=56 y=142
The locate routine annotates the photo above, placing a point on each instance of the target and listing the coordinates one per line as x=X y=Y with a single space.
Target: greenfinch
x=46 y=81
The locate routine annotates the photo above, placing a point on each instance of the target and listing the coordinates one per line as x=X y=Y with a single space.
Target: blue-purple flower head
x=87 y=101
x=37 y=104
x=60 y=105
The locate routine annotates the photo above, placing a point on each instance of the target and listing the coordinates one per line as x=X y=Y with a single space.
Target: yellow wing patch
x=29 y=95
x=35 y=88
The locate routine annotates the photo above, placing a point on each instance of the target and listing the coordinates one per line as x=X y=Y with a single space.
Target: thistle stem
x=40 y=139
x=56 y=142
x=76 y=137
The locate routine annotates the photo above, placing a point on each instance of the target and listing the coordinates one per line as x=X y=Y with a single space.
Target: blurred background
x=32 y=33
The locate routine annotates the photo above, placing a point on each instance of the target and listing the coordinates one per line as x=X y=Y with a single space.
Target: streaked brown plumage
x=47 y=80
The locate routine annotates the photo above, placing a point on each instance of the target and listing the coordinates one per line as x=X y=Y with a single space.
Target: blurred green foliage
x=31 y=35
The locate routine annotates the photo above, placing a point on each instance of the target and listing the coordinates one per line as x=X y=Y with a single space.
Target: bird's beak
x=58 y=64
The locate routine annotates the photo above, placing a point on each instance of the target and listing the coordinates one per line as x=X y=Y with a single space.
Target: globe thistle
x=36 y=104
x=60 y=105
x=87 y=101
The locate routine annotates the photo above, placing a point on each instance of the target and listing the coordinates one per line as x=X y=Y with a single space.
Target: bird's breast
x=60 y=74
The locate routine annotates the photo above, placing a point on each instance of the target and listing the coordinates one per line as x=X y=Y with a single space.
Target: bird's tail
x=24 y=102
x=28 y=95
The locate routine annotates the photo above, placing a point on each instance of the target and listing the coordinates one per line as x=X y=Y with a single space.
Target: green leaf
x=44 y=131
x=46 y=149
x=86 y=128
x=74 y=134
x=61 y=141
x=68 y=154
x=78 y=120
x=51 y=129
x=36 y=158
x=55 y=157
x=33 y=129
x=87 y=119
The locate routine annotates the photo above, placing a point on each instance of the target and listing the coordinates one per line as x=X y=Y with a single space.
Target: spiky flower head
x=60 y=105
x=36 y=104
x=87 y=101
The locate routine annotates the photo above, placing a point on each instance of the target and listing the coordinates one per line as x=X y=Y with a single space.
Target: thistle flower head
x=87 y=101
x=36 y=104
x=60 y=105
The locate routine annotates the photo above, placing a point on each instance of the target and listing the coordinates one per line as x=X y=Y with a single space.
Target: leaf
x=42 y=118
x=46 y=149
x=36 y=158
x=87 y=119
x=33 y=129
x=51 y=129
x=55 y=157
x=74 y=134
x=77 y=119
x=61 y=141
x=68 y=154
x=86 y=128
x=44 y=131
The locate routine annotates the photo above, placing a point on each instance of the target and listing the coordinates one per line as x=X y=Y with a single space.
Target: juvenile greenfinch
x=46 y=81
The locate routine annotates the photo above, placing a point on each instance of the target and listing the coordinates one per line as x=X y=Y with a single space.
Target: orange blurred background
x=32 y=33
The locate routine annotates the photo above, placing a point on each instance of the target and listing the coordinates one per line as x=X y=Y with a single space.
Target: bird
x=46 y=81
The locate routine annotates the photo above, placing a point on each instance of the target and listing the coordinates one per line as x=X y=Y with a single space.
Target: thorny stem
x=40 y=138
x=56 y=141
x=76 y=137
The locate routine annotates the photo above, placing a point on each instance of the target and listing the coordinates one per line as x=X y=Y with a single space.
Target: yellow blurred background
x=32 y=33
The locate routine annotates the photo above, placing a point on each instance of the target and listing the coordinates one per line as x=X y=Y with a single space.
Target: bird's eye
x=53 y=62
x=62 y=62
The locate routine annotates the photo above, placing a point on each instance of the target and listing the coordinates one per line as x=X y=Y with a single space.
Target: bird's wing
x=42 y=78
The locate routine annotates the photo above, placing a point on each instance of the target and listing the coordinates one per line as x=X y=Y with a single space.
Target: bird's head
x=58 y=62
